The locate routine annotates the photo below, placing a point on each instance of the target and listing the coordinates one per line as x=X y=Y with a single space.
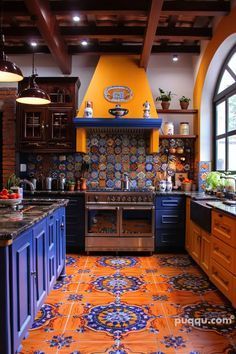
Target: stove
x=118 y=220
x=135 y=196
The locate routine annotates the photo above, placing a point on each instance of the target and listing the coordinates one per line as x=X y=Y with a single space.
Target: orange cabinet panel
x=224 y=254
x=223 y=279
x=195 y=235
x=187 y=227
x=205 y=251
x=224 y=227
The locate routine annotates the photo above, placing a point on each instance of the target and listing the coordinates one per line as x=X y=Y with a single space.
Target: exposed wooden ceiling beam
x=99 y=49
x=196 y=8
x=48 y=27
x=151 y=28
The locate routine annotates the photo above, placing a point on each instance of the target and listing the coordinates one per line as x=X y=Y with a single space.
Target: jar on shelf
x=168 y=128
x=184 y=128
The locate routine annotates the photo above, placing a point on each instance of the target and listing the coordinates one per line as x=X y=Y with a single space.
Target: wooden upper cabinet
x=50 y=127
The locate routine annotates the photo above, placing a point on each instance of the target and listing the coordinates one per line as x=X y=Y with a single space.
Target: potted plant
x=186 y=185
x=184 y=102
x=71 y=185
x=165 y=98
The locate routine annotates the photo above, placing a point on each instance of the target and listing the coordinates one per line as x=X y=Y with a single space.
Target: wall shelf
x=177 y=111
x=178 y=136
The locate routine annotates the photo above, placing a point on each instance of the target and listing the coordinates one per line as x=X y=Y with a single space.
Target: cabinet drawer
x=224 y=228
x=169 y=218
x=223 y=254
x=169 y=238
x=222 y=279
x=170 y=202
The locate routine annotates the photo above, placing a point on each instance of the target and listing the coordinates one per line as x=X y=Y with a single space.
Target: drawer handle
x=217 y=250
x=226 y=282
x=34 y=274
x=62 y=226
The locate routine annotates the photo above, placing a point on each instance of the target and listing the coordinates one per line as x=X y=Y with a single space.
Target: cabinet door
x=33 y=125
x=22 y=294
x=169 y=238
x=41 y=254
x=195 y=235
x=60 y=240
x=59 y=127
x=187 y=225
x=170 y=219
x=51 y=246
x=170 y=202
x=75 y=224
x=205 y=251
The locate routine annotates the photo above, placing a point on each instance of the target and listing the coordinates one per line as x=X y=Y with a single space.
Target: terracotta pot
x=184 y=105
x=83 y=185
x=71 y=187
x=165 y=104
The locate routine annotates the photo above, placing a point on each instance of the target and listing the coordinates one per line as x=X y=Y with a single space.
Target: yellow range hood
x=117 y=70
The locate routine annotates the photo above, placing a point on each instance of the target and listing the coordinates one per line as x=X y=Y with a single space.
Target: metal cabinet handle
x=62 y=226
x=33 y=273
x=226 y=282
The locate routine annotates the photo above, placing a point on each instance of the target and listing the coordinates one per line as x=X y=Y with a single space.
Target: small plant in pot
x=165 y=98
x=71 y=185
x=184 y=102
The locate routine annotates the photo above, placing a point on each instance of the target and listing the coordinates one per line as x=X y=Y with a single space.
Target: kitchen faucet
x=30 y=184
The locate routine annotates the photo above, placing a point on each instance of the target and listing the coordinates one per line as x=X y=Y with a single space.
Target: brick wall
x=8 y=108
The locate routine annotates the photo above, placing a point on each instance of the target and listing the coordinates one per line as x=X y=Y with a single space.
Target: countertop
x=230 y=210
x=12 y=222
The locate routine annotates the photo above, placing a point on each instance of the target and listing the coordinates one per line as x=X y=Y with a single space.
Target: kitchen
x=115 y=246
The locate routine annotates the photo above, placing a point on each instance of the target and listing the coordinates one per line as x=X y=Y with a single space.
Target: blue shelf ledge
x=134 y=123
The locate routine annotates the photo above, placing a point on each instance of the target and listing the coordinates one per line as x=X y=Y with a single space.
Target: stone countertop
x=230 y=210
x=12 y=222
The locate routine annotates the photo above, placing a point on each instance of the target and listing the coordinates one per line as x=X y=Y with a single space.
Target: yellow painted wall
x=225 y=28
x=123 y=71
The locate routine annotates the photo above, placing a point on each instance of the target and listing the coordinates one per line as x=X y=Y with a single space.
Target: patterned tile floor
x=133 y=305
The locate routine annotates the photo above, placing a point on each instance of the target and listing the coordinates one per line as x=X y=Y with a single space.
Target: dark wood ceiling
x=131 y=27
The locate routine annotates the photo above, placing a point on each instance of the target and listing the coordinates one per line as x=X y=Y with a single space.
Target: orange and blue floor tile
x=133 y=305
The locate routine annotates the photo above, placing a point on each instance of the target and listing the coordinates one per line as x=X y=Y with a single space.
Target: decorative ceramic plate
x=118 y=93
x=149 y=167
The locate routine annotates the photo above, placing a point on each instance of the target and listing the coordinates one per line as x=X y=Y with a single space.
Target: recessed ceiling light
x=175 y=57
x=84 y=43
x=34 y=44
x=76 y=18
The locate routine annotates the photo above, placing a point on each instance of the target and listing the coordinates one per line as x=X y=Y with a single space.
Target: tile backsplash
x=110 y=156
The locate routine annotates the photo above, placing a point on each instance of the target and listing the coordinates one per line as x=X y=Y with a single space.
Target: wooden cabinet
x=199 y=246
x=28 y=272
x=49 y=128
x=223 y=253
x=187 y=226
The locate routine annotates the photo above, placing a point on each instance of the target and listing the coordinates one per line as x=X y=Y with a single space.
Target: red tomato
x=4 y=197
x=17 y=195
x=12 y=196
x=4 y=191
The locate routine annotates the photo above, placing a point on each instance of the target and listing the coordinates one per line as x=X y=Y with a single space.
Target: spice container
x=168 y=128
x=184 y=128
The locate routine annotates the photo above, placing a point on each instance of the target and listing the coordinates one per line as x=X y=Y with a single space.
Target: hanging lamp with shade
x=33 y=94
x=9 y=71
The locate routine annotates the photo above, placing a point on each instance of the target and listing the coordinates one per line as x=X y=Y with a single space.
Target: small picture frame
x=179 y=177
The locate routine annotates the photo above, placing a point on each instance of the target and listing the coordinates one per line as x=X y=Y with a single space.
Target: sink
x=200 y=213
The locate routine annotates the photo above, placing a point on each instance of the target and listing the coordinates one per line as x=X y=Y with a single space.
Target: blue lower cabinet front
x=29 y=269
x=22 y=287
x=169 y=238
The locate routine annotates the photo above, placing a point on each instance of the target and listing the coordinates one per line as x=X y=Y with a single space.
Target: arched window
x=225 y=116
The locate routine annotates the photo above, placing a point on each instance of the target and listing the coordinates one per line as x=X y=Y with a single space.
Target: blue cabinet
x=170 y=223
x=29 y=269
x=21 y=287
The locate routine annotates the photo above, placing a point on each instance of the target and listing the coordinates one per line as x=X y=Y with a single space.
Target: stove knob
x=123 y=199
x=145 y=199
x=134 y=199
x=118 y=198
x=150 y=198
x=96 y=198
x=108 y=198
x=139 y=199
x=129 y=199
x=113 y=198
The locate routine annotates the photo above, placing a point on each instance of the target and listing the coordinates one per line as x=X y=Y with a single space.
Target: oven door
x=137 y=221
x=101 y=220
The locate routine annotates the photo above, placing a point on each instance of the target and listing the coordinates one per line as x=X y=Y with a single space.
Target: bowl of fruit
x=9 y=198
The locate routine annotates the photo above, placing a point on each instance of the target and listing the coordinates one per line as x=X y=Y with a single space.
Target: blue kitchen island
x=32 y=257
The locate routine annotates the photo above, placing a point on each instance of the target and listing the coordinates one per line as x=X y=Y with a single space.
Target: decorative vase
x=83 y=185
x=118 y=111
x=165 y=104
x=184 y=105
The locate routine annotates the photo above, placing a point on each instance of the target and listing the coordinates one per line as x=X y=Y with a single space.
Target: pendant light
x=9 y=71
x=33 y=94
